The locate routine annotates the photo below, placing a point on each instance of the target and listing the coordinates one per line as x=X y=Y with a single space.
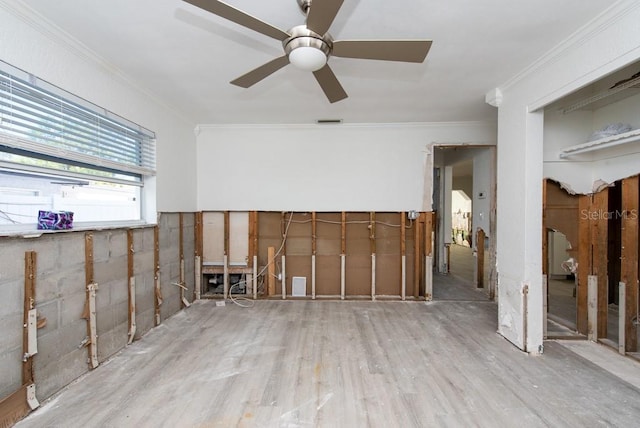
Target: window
x=59 y=152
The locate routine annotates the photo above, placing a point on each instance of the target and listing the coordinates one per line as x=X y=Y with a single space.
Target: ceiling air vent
x=328 y=121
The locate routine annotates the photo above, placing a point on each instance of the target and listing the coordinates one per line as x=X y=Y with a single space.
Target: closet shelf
x=603 y=143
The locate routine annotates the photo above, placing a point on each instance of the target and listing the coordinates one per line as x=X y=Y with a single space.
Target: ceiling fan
x=309 y=46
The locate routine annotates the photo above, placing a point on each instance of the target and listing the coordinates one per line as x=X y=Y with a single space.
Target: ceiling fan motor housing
x=316 y=48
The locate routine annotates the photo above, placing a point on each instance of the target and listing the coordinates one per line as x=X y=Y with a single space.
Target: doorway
x=463 y=197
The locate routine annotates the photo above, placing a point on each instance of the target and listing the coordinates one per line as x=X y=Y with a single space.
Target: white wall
x=609 y=43
x=29 y=43
x=324 y=167
x=483 y=169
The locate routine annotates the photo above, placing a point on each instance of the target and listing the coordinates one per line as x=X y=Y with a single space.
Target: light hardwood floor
x=340 y=364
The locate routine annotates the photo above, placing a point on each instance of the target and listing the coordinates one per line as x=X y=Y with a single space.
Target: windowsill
x=30 y=230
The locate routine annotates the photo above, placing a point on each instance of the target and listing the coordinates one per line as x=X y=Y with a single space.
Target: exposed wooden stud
x=226 y=232
x=157 y=301
x=428 y=258
x=403 y=256
x=283 y=277
x=417 y=256
x=480 y=237
x=622 y=318
x=30 y=258
x=600 y=242
x=592 y=314
x=14 y=407
x=314 y=250
x=343 y=276
x=428 y=234
x=199 y=237
x=225 y=276
x=255 y=277
x=313 y=278
x=90 y=302
x=198 y=231
x=251 y=237
x=629 y=263
x=181 y=260
x=584 y=263
x=92 y=325
x=132 y=285
x=343 y=234
x=545 y=305
x=256 y=234
x=372 y=236
x=271 y=271
x=525 y=317
x=545 y=234
x=343 y=255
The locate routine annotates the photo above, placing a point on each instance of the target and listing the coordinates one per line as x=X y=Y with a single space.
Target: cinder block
x=11 y=332
x=119 y=291
x=145 y=293
x=189 y=220
x=12 y=256
x=118 y=244
x=12 y=299
x=57 y=344
x=112 y=341
x=70 y=249
x=110 y=270
x=51 y=312
x=101 y=246
x=52 y=376
x=148 y=240
x=71 y=281
x=72 y=308
x=10 y=371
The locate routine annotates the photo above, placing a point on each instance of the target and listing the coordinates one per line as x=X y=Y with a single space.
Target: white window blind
x=67 y=134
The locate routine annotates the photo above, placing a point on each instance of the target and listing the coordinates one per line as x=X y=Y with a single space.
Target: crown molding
x=314 y=126
x=51 y=31
x=598 y=24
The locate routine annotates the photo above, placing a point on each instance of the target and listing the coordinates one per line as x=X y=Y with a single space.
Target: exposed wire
x=284 y=240
x=354 y=222
x=241 y=301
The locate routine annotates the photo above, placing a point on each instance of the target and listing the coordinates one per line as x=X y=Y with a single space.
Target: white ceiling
x=186 y=56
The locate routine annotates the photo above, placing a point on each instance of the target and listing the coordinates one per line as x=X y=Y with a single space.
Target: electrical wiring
x=284 y=240
x=354 y=222
x=285 y=233
x=241 y=301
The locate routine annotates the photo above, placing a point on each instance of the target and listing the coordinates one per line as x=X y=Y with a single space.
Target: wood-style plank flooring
x=340 y=364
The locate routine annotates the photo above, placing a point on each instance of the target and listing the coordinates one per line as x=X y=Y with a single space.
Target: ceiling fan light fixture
x=307 y=50
x=307 y=58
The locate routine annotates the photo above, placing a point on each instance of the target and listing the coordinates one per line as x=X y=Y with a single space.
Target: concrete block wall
x=144 y=273
x=61 y=296
x=169 y=238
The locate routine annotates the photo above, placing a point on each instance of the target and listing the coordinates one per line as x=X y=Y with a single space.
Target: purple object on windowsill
x=55 y=220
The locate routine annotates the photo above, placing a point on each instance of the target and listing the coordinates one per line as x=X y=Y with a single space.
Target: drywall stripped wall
x=324 y=168
x=62 y=260
x=33 y=45
x=606 y=44
x=352 y=238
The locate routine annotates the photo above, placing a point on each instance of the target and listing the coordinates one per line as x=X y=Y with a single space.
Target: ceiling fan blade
x=321 y=14
x=387 y=50
x=329 y=84
x=265 y=70
x=239 y=17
